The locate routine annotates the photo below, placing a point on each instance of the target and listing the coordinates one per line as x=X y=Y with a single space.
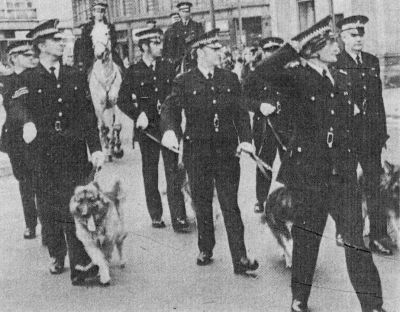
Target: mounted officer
x=144 y=88
x=85 y=51
x=369 y=121
x=181 y=32
x=215 y=123
x=17 y=123
x=64 y=129
x=319 y=168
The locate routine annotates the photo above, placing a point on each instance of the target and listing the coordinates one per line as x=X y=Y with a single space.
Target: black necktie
x=53 y=72
x=210 y=76
x=358 y=60
x=152 y=66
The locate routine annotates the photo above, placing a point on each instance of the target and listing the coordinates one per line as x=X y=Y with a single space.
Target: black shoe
x=374 y=310
x=381 y=246
x=57 y=266
x=204 y=258
x=81 y=276
x=244 y=265
x=298 y=306
x=158 y=224
x=258 y=208
x=181 y=226
x=29 y=233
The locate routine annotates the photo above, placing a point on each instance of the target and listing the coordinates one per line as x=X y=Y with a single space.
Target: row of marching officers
x=314 y=120
x=315 y=124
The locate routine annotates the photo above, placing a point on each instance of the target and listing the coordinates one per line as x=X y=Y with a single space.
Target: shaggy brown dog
x=99 y=224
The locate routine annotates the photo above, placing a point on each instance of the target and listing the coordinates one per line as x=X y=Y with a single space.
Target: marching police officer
x=369 y=120
x=181 y=32
x=64 y=128
x=319 y=168
x=21 y=55
x=215 y=123
x=266 y=140
x=149 y=82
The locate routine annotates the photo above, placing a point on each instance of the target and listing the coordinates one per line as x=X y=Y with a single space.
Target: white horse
x=104 y=83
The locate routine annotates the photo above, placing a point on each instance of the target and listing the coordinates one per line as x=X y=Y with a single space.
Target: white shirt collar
x=354 y=56
x=149 y=62
x=205 y=71
x=320 y=69
x=56 y=65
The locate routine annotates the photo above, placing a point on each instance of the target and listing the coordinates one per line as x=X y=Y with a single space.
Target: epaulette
x=342 y=71
x=20 y=92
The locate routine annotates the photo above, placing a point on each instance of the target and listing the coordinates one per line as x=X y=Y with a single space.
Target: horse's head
x=101 y=41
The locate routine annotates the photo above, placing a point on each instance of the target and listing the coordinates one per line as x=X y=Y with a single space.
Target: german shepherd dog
x=279 y=211
x=99 y=224
x=389 y=194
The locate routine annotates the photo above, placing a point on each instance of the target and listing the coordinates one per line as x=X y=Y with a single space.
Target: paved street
x=161 y=274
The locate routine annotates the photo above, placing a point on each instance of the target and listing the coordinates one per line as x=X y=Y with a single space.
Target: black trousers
x=58 y=226
x=372 y=170
x=312 y=208
x=203 y=171
x=150 y=151
x=266 y=147
x=24 y=175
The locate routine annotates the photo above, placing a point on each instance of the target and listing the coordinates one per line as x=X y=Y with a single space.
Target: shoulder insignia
x=20 y=92
x=342 y=71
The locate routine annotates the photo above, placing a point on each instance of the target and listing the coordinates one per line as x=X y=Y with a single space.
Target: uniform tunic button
x=346 y=93
x=332 y=112
x=155 y=78
x=265 y=88
x=332 y=95
x=142 y=83
x=60 y=114
x=59 y=100
x=194 y=92
x=187 y=137
x=365 y=87
x=299 y=149
x=156 y=90
x=363 y=74
x=212 y=88
x=349 y=150
x=39 y=91
x=349 y=102
x=313 y=98
x=229 y=90
x=59 y=86
x=364 y=113
x=214 y=101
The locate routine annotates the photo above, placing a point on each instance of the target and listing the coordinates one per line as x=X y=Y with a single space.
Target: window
x=306 y=14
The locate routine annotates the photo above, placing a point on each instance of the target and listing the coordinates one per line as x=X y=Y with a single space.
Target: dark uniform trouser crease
x=150 y=158
x=312 y=209
x=202 y=172
x=24 y=175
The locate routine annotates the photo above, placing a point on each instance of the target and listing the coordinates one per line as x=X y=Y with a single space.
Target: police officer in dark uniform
x=86 y=52
x=319 y=168
x=21 y=55
x=66 y=128
x=215 y=124
x=181 y=32
x=266 y=140
x=369 y=121
x=149 y=82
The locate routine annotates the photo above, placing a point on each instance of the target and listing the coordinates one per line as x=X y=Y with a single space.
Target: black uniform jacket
x=150 y=88
x=370 y=124
x=175 y=36
x=202 y=101
x=65 y=121
x=14 y=87
x=318 y=116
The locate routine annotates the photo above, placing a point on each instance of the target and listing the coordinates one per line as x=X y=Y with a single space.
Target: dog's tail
x=117 y=195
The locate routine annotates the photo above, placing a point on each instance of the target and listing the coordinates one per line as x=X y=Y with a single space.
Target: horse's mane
x=100 y=33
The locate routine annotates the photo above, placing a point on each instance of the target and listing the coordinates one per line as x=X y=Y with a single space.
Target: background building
x=17 y=17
